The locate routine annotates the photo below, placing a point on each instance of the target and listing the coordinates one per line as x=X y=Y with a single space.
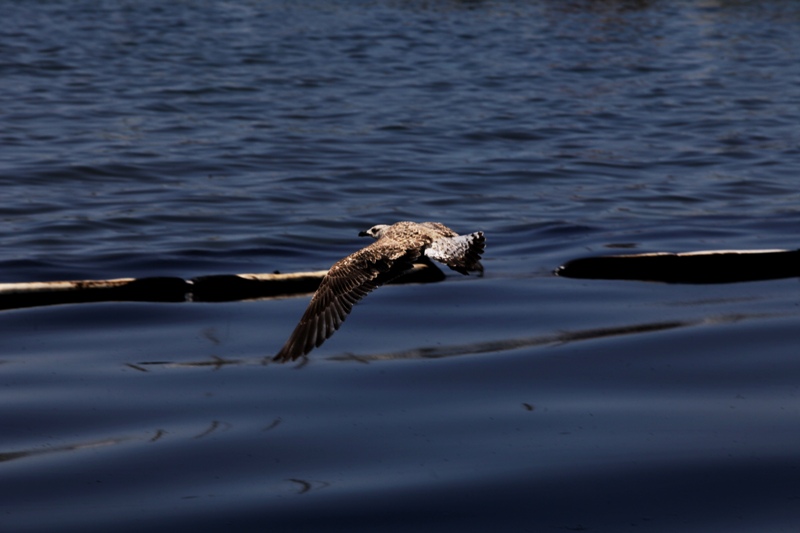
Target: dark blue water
x=194 y=138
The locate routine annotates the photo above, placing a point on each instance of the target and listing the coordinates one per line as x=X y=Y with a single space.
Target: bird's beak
x=363 y=234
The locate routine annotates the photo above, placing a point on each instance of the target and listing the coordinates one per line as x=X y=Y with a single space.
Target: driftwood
x=714 y=266
x=216 y=288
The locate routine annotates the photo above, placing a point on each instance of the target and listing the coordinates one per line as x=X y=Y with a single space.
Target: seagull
x=349 y=280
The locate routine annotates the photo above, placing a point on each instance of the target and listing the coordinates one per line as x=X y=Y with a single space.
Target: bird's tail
x=461 y=253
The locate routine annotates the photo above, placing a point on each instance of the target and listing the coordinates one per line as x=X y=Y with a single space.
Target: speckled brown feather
x=352 y=278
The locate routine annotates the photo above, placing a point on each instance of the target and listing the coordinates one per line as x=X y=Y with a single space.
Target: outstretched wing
x=347 y=282
x=462 y=253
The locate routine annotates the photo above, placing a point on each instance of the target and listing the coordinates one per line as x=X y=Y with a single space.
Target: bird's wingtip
x=285 y=355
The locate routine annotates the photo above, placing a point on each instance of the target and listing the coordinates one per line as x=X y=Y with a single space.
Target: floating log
x=159 y=289
x=712 y=266
x=215 y=288
x=227 y=288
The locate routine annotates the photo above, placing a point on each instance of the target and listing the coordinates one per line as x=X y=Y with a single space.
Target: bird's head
x=376 y=232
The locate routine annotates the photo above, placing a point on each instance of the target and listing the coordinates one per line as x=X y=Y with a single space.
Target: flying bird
x=395 y=249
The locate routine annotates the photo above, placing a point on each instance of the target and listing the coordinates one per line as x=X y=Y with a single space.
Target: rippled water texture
x=195 y=138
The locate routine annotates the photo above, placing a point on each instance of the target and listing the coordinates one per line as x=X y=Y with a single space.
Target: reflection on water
x=215 y=363
x=456 y=350
x=305 y=485
x=557 y=338
x=213 y=427
x=22 y=454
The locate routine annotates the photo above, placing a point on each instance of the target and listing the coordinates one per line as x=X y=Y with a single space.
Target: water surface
x=142 y=139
